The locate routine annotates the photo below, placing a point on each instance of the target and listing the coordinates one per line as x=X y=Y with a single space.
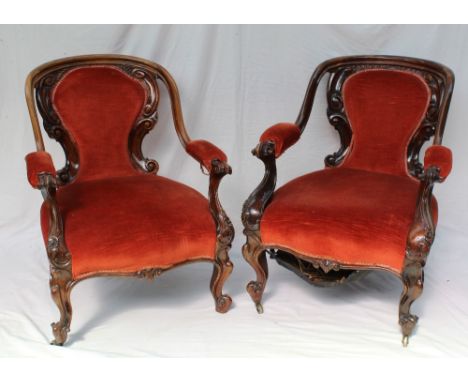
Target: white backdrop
x=234 y=82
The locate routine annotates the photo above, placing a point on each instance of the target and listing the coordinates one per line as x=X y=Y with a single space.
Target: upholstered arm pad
x=440 y=157
x=36 y=163
x=283 y=135
x=205 y=152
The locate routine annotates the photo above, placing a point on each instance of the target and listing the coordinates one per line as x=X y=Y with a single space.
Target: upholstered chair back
x=98 y=106
x=385 y=109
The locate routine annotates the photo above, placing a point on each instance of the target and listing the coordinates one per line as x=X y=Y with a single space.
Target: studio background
x=234 y=82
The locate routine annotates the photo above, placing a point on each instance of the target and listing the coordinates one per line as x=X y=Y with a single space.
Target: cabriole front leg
x=60 y=289
x=255 y=255
x=413 y=282
x=418 y=245
x=222 y=269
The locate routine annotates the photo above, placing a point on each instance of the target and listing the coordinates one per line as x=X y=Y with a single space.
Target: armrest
x=39 y=162
x=283 y=135
x=205 y=153
x=440 y=157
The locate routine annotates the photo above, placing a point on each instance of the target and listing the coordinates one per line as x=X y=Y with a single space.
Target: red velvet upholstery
x=116 y=218
x=204 y=152
x=36 y=163
x=384 y=108
x=129 y=223
x=98 y=105
x=440 y=157
x=284 y=135
x=347 y=215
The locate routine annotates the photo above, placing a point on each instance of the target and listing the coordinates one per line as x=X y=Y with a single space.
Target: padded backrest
x=98 y=106
x=384 y=108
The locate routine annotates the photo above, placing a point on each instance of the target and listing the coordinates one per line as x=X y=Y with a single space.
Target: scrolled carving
x=252 y=211
x=418 y=244
x=60 y=288
x=255 y=254
x=61 y=280
x=337 y=115
x=149 y=273
x=338 y=119
x=53 y=125
x=254 y=206
x=429 y=124
x=148 y=119
x=224 y=236
x=313 y=272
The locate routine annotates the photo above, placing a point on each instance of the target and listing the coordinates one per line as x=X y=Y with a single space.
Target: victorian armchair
x=372 y=206
x=107 y=212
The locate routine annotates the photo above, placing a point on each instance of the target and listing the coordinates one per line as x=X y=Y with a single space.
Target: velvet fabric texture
x=116 y=218
x=130 y=223
x=384 y=108
x=98 y=106
x=350 y=216
x=205 y=152
x=36 y=163
x=440 y=157
x=284 y=135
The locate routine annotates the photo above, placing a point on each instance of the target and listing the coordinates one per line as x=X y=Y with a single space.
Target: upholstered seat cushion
x=129 y=223
x=354 y=217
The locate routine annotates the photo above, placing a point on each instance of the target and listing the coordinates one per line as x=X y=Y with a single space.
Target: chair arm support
x=254 y=206
x=37 y=163
x=422 y=230
x=224 y=227
x=283 y=135
x=440 y=157
x=214 y=160
x=205 y=153
x=57 y=251
x=273 y=143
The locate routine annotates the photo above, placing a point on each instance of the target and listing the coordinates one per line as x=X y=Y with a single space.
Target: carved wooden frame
x=39 y=86
x=323 y=272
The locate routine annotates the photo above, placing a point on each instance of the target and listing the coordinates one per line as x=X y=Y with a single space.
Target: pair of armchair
x=108 y=213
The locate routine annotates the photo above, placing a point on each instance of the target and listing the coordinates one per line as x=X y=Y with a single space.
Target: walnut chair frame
x=322 y=272
x=39 y=85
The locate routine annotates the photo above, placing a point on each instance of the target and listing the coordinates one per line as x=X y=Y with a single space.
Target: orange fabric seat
x=130 y=223
x=350 y=216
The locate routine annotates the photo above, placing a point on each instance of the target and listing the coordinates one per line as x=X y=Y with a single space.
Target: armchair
x=107 y=212
x=372 y=206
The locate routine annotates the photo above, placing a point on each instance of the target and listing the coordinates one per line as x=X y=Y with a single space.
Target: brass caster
x=55 y=343
x=259 y=307
x=405 y=341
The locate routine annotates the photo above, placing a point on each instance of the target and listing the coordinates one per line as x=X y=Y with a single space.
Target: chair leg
x=413 y=281
x=221 y=271
x=255 y=255
x=60 y=288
